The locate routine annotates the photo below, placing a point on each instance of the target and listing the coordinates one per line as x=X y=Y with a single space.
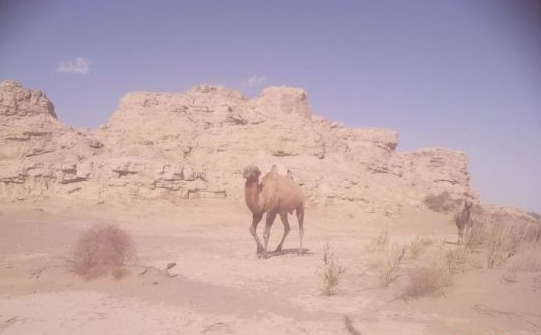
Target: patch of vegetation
x=530 y=234
x=487 y=244
x=442 y=202
x=455 y=259
x=529 y=260
x=332 y=271
x=426 y=281
x=510 y=276
x=475 y=234
x=499 y=247
x=390 y=264
x=499 y=241
x=101 y=250
x=535 y=215
x=417 y=245
x=379 y=243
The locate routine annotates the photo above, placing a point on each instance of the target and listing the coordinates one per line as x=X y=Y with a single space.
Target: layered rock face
x=181 y=146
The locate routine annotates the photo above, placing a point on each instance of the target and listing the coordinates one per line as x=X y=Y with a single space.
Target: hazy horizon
x=463 y=75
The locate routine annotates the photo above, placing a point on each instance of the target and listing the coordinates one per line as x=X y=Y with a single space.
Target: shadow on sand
x=290 y=251
x=349 y=326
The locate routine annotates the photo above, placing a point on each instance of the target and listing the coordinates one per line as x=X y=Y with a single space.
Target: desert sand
x=219 y=286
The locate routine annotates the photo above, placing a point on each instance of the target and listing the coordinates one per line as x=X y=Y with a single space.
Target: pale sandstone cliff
x=178 y=146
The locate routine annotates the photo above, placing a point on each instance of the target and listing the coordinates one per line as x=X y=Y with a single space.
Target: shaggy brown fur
x=275 y=194
x=462 y=219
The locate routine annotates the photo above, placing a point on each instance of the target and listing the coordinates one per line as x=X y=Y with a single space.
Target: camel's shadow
x=290 y=251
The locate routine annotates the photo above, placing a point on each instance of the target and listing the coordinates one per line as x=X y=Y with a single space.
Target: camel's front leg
x=256 y=218
x=268 y=224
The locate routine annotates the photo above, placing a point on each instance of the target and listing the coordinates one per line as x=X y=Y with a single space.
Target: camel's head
x=251 y=172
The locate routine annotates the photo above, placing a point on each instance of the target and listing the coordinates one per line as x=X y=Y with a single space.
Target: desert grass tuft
x=475 y=233
x=332 y=271
x=526 y=233
x=500 y=246
x=455 y=259
x=388 y=268
x=510 y=276
x=380 y=242
x=417 y=245
x=529 y=260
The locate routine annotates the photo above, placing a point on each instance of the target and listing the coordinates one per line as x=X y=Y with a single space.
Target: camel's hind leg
x=300 y=218
x=286 y=231
x=256 y=218
x=268 y=224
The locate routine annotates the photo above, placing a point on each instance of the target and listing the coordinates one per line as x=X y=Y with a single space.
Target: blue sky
x=458 y=74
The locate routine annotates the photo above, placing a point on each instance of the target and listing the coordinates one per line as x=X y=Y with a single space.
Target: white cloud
x=78 y=66
x=255 y=81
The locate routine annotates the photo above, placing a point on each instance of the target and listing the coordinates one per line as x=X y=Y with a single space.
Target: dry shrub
x=533 y=234
x=332 y=271
x=442 y=202
x=475 y=234
x=101 y=250
x=455 y=259
x=514 y=234
x=481 y=226
x=535 y=215
x=526 y=233
x=500 y=246
x=379 y=243
x=510 y=275
x=390 y=265
x=417 y=245
x=498 y=240
x=427 y=281
x=528 y=261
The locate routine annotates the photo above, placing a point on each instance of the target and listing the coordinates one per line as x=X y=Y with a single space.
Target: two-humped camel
x=275 y=194
x=462 y=219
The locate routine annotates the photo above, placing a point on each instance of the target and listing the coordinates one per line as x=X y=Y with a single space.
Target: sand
x=219 y=286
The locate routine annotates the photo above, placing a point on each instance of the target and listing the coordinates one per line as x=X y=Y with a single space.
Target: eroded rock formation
x=180 y=146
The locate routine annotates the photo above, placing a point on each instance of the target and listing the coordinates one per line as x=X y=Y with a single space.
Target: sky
x=462 y=74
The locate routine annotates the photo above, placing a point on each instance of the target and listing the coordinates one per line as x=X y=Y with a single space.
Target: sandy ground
x=219 y=286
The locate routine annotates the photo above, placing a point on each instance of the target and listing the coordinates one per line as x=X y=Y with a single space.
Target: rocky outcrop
x=15 y=101
x=181 y=146
x=281 y=100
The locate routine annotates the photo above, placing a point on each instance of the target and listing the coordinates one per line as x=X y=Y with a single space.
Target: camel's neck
x=251 y=195
x=467 y=211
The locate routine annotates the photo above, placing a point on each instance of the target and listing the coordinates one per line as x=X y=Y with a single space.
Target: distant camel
x=275 y=194
x=462 y=219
